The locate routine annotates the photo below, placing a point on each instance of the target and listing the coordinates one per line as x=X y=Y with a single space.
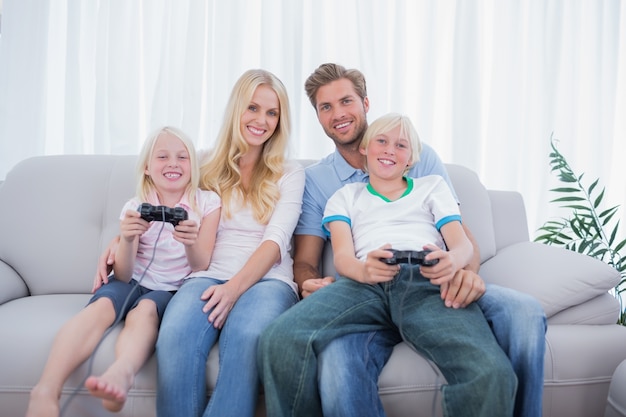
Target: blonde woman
x=250 y=279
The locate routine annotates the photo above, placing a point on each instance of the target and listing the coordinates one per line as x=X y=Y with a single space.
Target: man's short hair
x=327 y=73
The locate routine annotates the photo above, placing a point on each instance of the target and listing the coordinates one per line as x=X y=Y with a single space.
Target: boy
x=365 y=219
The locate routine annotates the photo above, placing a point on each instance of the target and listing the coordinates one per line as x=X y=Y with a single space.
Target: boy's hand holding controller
x=459 y=287
x=439 y=266
x=375 y=270
x=444 y=271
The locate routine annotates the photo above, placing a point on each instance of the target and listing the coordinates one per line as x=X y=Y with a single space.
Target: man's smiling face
x=341 y=112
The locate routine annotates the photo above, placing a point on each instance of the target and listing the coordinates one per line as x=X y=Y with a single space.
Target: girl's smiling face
x=169 y=166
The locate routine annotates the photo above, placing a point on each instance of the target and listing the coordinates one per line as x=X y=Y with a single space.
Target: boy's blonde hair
x=145 y=185
x=221 y=172
x=387 y=123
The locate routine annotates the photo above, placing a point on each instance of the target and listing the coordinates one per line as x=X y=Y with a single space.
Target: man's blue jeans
x=186 y=337
x=350 y=365
x=480 y=379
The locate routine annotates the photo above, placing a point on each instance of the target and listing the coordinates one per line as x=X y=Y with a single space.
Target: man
x=349 y=367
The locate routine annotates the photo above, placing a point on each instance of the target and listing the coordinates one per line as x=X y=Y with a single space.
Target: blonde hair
x=387 y=123
x=145 y=185
x=221 y=172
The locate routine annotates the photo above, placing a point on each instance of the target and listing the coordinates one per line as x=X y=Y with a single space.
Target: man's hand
x=465 y=288
x=307 y=253
x=313 y=284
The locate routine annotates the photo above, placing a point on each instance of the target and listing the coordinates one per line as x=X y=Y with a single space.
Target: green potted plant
x=589 y=228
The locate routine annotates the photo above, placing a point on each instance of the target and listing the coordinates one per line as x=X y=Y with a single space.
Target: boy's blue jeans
x=350 y=365
x=481 y=381
x=186 y=337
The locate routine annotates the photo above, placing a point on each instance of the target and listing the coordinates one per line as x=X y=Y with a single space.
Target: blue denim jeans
x=350 y=365
x=186 y=337
x=481 y=381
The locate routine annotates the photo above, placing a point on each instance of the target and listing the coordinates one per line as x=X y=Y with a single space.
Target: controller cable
x=112 y=326
x=438 y=380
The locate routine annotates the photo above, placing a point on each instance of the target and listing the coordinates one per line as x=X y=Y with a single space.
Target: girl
x=250 y=279
x=152 y=260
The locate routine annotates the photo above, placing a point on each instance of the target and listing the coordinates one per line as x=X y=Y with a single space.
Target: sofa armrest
x=12 y=286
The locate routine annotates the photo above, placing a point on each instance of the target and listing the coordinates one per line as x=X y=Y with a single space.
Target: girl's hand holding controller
x=186 y=232
x=132 y=225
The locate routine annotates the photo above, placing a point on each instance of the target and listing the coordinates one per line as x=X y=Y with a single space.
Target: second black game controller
x=162 y=213
x=412 y=257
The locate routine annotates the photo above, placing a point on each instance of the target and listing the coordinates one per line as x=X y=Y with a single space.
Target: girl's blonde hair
x=387 y=123
x=221 y=172
x=145 y=185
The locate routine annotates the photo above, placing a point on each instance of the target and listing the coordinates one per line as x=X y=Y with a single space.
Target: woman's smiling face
x=259 y=121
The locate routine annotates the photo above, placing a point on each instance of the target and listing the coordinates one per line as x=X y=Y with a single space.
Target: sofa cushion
x=603 y=309
x=557 y=277
x=475 y=207
x=77 y=200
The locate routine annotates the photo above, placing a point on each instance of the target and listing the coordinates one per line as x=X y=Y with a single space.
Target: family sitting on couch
x=227 y=276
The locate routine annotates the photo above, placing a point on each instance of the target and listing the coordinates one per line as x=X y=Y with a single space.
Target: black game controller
x=162 y=213
x=412 y=257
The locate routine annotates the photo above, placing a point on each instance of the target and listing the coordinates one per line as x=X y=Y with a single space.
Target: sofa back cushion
x=557 y=277
x=58 y=213
x=475 y=208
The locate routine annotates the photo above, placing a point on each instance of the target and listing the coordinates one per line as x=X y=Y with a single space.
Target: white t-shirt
x=170 y=265
x=239 y=236
x=407 y=223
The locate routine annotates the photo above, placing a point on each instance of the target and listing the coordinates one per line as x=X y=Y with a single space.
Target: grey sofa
x=57 y=214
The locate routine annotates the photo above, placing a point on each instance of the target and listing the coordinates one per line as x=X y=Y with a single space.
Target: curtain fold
x=486 y=83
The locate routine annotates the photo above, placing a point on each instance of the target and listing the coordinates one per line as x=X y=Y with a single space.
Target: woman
x=250 y=279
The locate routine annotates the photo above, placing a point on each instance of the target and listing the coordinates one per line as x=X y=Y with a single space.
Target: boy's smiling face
x=388 y=154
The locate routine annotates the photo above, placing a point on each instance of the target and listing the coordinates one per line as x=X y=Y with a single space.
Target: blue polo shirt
x=332 y=172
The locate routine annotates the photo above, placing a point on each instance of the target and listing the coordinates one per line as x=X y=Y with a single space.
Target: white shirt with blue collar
x=332 y=172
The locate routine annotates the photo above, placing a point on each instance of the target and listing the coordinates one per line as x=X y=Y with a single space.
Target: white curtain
x=485 y=82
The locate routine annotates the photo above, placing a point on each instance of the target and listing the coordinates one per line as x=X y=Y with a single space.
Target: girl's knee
x=145 y=310
x=102 y=309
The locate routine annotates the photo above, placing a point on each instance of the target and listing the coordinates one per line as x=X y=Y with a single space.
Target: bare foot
x=43 y=403
x=112 y=387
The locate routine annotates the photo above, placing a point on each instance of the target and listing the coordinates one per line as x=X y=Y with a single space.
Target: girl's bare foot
x=43 y=403
x=112 y=387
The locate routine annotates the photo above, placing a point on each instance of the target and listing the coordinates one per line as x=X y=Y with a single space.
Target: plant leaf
x=596 y=203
